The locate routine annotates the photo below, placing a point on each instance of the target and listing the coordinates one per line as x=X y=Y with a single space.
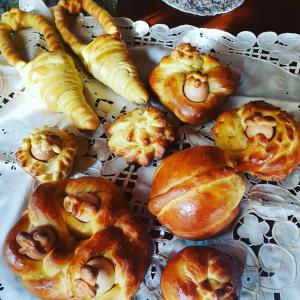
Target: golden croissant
x=51 y=75
x=78 y=240
x=106 y=57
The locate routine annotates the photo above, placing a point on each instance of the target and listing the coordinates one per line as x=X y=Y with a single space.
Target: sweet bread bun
x=191 y=85
x=196 y=193
x=260 y=139
x=140 y=136
x=200 y=273
x=78 y=240
x=48 y=153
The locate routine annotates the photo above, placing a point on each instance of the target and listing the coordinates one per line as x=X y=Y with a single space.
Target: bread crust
x=199 y=273
x=196 y=193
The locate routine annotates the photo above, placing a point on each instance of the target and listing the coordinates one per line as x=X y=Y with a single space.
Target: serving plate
x=265 y=237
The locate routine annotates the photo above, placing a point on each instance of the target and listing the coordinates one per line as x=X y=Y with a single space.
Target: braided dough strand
x=17 y=19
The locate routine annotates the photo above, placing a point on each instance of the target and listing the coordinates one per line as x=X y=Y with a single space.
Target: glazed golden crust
x=106 y=57
x=199 y=273
x=51 y=75
x=267 y=159
x=113 y=233
x=200 y=198
x=140 y=136
x=57 y=167
x=168 y=79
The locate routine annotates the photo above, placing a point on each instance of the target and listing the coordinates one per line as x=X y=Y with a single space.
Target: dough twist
x=77 y=240
x=192 y=85
x=260 y=139
x=106 y=57
x=51 y=75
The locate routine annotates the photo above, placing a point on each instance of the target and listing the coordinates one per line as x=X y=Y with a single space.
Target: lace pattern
x=269 y=253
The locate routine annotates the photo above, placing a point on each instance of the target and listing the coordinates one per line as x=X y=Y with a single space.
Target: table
x=254 y=15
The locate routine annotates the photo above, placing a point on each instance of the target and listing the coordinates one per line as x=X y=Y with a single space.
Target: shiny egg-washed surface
x=265 y=234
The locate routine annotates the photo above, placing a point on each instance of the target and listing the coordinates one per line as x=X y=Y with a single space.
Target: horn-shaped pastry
x=51 y=75
x=106 y=57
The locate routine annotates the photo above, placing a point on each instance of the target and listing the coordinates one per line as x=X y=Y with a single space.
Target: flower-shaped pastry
x=47 y=154
x=260 y=139
x=192 y=85
x=140 y=136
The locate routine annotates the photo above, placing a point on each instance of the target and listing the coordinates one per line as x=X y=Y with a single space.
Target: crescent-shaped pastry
x=106 y=57
x=191 y=85
x=47 y=154
x=78 y=240
x=140 y=136
x=260 y=139
x=51 y=76
x=200 y=273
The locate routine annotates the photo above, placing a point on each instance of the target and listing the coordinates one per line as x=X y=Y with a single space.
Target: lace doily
x=205 y=7
x=265 y=237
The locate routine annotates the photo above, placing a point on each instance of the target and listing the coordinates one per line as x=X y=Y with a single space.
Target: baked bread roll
x=51 y=76
x=106 y=57
x=200 y=273
x=260 y=139
x=47 y=154
x=140 y=136
x=78 y=240
x=191 y=85
x=196 y=193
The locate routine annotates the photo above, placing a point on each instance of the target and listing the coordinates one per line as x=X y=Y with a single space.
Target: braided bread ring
x=57 y=166
x=185 y=65
x=65 y=271
x=106 y=57
x=51 y=75
x=266 y=155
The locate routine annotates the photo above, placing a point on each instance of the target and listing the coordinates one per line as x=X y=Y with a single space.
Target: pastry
x=47 y=154
x=200 y=273
x=196 y=193
x=51 y=76
x=260 y=139
x=140 y=136
x=106 y=57
x=78 y=240
x=191 y=85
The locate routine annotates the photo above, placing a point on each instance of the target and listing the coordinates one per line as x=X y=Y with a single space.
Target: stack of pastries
x=77 y=239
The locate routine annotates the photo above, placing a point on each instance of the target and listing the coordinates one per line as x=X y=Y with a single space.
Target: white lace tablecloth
x=265 y=237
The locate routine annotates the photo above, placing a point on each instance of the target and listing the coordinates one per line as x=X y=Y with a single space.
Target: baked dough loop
x=51 y=76
x=260 y=139
x=200 y=273
x=140 y=136
x=191 y=85
x=60 y=257
x=196 y=193
x=106 y=57
x=48 y=153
